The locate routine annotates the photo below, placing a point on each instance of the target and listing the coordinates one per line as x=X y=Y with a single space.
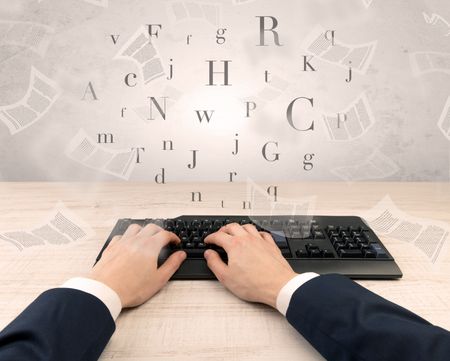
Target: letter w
x=204 y=114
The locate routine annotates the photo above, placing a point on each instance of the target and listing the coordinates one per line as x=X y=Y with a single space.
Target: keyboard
x=321 y=244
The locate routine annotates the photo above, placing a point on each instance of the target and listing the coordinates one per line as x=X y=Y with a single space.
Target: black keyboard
x=322 y=244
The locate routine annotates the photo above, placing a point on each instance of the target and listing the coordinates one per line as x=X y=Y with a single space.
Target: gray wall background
x=406 y=106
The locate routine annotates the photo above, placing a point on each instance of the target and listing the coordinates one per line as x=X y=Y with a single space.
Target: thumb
x=171 y=265
x=215 y=263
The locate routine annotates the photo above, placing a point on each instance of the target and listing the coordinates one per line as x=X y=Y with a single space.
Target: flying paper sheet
x=42 y=93
x=424 y=62
x=376 y=166
x=140 y=50
x=61 y=226
x=339 y=53
x=31 y=35
x=430 y=236
x=352 y=123
x=84 y=150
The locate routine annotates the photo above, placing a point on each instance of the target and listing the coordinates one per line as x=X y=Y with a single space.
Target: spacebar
x=191 y=252
x=194 y=252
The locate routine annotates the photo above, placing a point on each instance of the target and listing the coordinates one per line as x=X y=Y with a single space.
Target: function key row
x=304 y=232
x=271 y=222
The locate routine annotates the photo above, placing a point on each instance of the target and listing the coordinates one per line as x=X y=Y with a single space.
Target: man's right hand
x=256 y=269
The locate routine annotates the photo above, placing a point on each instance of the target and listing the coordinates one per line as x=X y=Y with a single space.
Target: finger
x=163 y=238
x=132 y=230
x=234 y=229
x=250 y=228
x=220 y=239
x=114 y=240
x=269 y=239
x=170 y=266
x=215 y=264
x=150 y=230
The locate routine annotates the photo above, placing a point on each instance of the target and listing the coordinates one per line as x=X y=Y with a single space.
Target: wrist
x=278 y=284
x=99 y=278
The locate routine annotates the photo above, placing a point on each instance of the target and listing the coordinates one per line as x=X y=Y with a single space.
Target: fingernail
x=206 y=253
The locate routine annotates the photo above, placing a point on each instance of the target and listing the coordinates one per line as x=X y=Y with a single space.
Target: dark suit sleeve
x=344 y=321
x=62 y=324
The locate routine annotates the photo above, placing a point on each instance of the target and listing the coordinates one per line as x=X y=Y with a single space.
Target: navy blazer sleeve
x=344 y=321
x=62 y=324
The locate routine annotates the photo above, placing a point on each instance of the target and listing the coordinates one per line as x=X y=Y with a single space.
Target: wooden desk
x=199 y=320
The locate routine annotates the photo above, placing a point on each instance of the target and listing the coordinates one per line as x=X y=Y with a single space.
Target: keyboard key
x=347 y=240
x=350 y=253
x=316 y=253
x=335 y=240
x=378 y=250
x=326 y=253
x=291 y=223
x=369 y=254
x=363 y=246
x=318 y=234
x=366 y=236
x=301 y=253
x=359 y=240
x=305 y=232
x=310 y=247
x=195 y=253
x=276 y=223
x=206 y=223
x=287 y=232
x=295 y=234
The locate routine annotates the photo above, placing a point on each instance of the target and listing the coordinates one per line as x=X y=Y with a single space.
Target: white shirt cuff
x=285 y=294
x=98 y=289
